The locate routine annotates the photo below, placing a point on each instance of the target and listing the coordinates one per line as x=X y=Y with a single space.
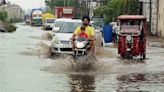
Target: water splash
x=84 y=63
x=43 y=50
x=67 y=65
x=47 y=36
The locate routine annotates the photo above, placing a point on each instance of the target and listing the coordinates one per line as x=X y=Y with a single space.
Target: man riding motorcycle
x=88 y=30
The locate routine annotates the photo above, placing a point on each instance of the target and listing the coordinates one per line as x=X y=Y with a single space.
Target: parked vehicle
x=58 y=23
x=64 y=12
x=132 y=36
x=28 y=20
x=61 y=42
x=48 y=21
x=36 y=17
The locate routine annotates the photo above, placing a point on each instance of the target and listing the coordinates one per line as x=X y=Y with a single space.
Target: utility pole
x=150 y=15
x=68 y=3
x=64 y=3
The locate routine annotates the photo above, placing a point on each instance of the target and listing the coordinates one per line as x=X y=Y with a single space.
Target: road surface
x=25 y=66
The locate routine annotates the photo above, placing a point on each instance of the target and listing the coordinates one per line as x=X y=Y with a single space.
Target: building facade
x=160 y=26
x=154 y=14
x=15 y=12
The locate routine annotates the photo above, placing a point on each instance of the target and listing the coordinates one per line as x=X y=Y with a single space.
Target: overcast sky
x=26 y=4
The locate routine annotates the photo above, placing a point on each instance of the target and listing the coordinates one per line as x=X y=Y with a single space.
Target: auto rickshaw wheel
x=128 y=55
x=143 y=56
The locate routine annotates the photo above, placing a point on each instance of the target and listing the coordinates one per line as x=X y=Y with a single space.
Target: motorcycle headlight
x=128 y=38
x=80 y=45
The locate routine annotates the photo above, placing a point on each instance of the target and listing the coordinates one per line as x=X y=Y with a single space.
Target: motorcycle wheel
x=55 y=55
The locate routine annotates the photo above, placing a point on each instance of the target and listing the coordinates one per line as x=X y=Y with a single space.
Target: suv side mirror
x=55 y=29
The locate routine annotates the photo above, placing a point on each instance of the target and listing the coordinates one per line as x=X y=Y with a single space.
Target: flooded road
x=25 y=66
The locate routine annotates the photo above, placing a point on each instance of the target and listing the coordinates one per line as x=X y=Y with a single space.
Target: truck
x=27 y=19
x=36 y=17
x=64 y=12
x=48 y=21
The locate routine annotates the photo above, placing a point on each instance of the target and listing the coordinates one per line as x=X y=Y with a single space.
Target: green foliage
x=54 y=3
x=6 y=24
x=114 y=8
x=50 y=11
x=3 y=16
x=71 y=3
x=9 y=27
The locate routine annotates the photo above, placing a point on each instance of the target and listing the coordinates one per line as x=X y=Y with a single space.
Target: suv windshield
x=130 y=22
x=59 y=23
x=69 y=27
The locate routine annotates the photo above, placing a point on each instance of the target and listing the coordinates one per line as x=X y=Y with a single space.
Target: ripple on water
x=142 y=82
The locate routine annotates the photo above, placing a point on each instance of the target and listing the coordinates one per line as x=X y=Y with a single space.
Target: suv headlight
x=55 y=40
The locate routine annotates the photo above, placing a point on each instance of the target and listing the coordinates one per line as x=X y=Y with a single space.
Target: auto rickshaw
x=132 y=36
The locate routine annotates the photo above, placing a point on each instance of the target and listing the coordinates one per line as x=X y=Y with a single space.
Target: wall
x=146 y=12
x=2 y=2
x=94 y=4
x=160 y=26
x=15 y=13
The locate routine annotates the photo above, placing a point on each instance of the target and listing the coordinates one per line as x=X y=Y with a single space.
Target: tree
x=54 y=3
x=3 y=16
x=114 y=8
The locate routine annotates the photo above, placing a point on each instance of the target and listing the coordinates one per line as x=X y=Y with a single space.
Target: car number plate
x=67 y=45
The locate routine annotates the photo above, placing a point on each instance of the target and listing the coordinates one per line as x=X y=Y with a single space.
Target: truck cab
x=36 y=17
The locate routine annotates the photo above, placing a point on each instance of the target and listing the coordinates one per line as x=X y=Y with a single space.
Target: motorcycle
x=82 y=58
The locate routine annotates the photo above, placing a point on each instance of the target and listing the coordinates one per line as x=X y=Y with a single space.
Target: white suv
x=61 y=42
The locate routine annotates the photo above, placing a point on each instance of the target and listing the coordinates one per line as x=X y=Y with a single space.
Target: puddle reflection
x=141 y=82
x=82 y=83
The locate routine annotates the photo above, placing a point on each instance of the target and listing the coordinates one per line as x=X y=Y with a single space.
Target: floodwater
x=26 y=66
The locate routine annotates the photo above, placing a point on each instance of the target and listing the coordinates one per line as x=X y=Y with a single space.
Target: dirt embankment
x=7 y=27
x=155 y=41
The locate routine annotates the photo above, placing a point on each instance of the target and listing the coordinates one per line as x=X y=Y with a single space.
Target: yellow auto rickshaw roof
x=48 y=15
